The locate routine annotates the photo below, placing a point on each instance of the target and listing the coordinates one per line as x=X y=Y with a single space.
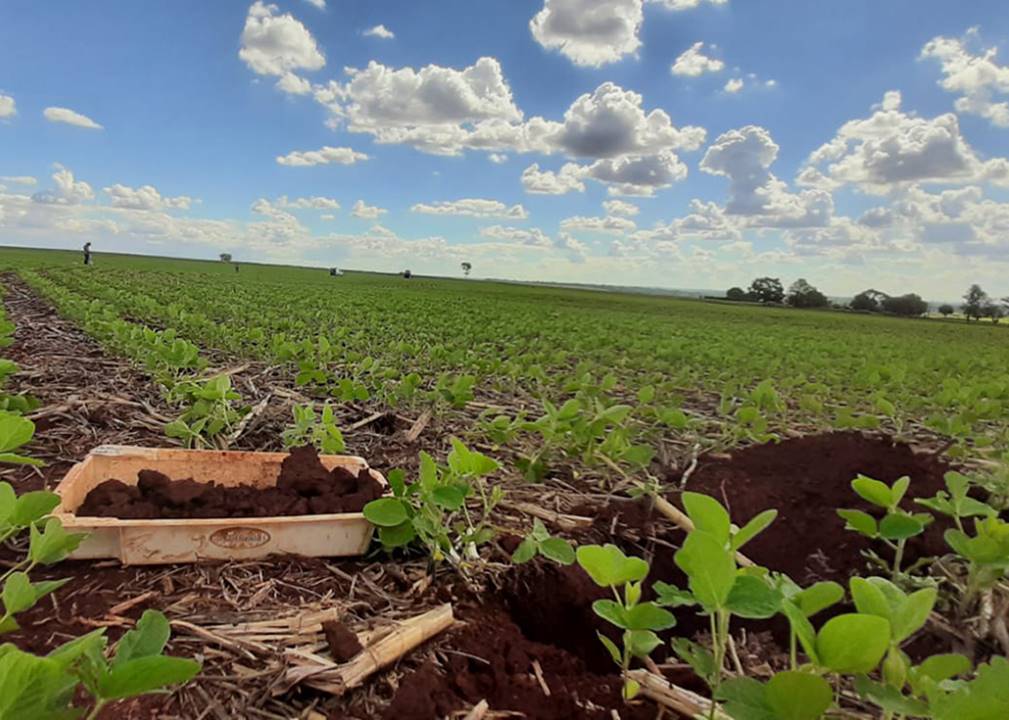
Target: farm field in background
x=538 y=420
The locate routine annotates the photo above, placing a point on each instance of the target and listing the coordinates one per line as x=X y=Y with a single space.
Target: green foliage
x=432 y=512
x=15 y=431
x=211 y=411
x=639 y=621
x=540 y=542
x=320 y=431
x=896 y=526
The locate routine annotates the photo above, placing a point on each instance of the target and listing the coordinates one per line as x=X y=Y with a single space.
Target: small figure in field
x=335 y=272
x=236 y=267
x=87 y=253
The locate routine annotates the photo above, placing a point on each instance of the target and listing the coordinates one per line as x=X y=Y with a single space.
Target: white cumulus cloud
x=380 y=31
x=367 y=212
x=145 y=197
x=589 y=32
x=325 y=155
x=694 y=63
x=68 y=191
x=69 y=117
x=472 y=207
x=8 y=108
x=274 y=44
x=976 y=77
x=733 y=85
x=546 y=182
x=893 y=148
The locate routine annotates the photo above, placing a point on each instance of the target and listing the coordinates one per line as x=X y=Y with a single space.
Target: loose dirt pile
x=304 y=487
x=491 y=659
x=807 y=479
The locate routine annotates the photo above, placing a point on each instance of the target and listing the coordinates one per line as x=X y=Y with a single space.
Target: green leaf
x=873 y=491
x=559 y=550
x=397 y=482
x=539 y=532
x=869 y=598
x=386 y=512
x=861 y=522
x=913 y=613
x=33 y=688
x=397 y=536
x=611 y=647
x=53 y=543
x=899 y=489
x=802 y=627
x=449 y=497
x=710 y=567
x=986 y=697
x=935 y=669
x=612 y=612
x=31 y=507
x=698 y=657
x=889 y=699
x=708 y=515
x=15 y=431
x=609 y=567
x=744 y=699
x=853 y=643
x=649 y=616
x=753 y=598
x=818 y=597
x=428 y=470
x=525 y=552
x=18 y=593
x=145 y=674
x=900 y=526
x=753 y=528
x=641 y=643
x=672 y=596
x=8 y=499
x=798 y=695
x=149 y=637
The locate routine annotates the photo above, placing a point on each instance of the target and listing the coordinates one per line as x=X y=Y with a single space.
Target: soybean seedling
x=896 y=527
x=639 y=621
x=540 y=542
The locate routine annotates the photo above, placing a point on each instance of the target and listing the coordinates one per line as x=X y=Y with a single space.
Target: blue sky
x=678 y=143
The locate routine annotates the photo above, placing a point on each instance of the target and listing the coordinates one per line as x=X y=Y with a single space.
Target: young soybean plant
x=40 y=687
x=540 y=542
x=897 y=525
x=610 y=568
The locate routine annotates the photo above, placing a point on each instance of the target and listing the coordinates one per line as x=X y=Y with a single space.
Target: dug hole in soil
x=304 y=487
x=543 y=611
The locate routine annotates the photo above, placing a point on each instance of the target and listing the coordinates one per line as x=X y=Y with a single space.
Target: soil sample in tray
x=304 y=487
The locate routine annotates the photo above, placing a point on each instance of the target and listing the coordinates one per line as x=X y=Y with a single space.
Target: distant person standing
x=87 y=253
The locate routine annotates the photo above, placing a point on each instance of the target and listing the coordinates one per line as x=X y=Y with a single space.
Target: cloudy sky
x=675 y=143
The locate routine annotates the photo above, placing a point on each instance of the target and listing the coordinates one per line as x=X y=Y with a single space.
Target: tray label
x=240 y=538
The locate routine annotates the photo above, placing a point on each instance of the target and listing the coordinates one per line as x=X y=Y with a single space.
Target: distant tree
x=466 y=267
x=225 y=257
x=946 y=310
x=974 y=301
x=737 y=294
x=993 y=312
x=868 y=301
x=767 y=290
x=803 y=295
x=908 y=305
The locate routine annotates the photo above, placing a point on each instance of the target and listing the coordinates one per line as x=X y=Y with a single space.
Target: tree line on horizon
x=801 y=294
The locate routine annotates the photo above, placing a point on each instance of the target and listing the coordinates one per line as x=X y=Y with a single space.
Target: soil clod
x=304 y=487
